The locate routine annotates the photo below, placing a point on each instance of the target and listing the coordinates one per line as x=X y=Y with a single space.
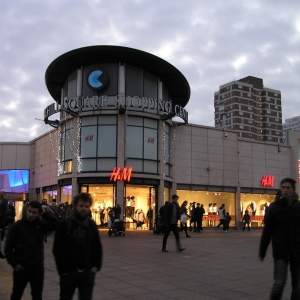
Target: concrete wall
x=45 y=164
x=205 y=156
x=14 y=156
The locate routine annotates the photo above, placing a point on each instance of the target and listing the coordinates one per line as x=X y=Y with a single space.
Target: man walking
x=282 y=225
x=222 y=216
x=171 y=217
x=24 y=250
x=77 y=250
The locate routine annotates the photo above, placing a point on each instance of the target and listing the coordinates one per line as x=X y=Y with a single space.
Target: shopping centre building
x=116 y=138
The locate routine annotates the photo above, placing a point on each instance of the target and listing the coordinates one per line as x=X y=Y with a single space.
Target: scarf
x=79 y=234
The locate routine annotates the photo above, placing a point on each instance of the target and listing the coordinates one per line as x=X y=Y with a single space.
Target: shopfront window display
x=257 y=205
x=139 y=207
x=104 y=200
x=49 y=195
x=211 y=202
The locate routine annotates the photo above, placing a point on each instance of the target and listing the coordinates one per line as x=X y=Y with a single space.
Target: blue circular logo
x=97 y=79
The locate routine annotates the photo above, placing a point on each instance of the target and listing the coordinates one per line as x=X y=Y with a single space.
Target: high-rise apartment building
x=250 y=108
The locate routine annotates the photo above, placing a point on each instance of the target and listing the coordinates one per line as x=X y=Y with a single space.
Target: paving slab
x=215 y=265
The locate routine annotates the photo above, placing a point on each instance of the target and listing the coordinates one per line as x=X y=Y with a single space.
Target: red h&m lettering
x=115 y=175
x=267 y=181
x=89 y=138
x=126 y=174
x=150 y=140
x=118 y=175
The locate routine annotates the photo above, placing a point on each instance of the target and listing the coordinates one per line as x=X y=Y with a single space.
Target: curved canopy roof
x=58 y=71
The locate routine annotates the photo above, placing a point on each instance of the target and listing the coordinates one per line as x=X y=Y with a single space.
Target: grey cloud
x=212 y=35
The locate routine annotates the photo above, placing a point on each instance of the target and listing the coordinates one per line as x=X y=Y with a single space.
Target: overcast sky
x=211 y=42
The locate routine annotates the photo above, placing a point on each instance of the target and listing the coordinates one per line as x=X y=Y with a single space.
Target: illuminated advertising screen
x=14 y=181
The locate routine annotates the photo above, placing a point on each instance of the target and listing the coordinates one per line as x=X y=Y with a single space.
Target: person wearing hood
x=282 y=226
x=24 y=249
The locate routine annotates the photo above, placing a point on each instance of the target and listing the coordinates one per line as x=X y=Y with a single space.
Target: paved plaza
x=214 y=266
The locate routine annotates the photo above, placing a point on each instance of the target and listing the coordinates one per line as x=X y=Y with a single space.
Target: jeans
x=84 y=281
x=222 y=222
x=33 y=275
x=171 y=227
x=280 y=276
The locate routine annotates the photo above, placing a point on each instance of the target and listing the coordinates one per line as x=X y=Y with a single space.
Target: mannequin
x=214 y=212
x=210 y=211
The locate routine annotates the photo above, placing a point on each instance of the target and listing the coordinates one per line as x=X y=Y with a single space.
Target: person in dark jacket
x=198 y=217
x=77 y=250
x=162 y=209
x=282 y=226
x=24 y=250
x=246 y=220
x=3 y=210
x=171 y=217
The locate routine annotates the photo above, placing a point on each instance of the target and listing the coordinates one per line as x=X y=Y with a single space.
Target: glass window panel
x=165 y=93
x=107 y=120
x=136 y=121
x=150 y=143
x=65 y=89
x=150 y=86
x=150 y=123
x=137 y=165
x=86 y=121
x=68 y=166
x=88 y=141
x=134 y=81
x=69 y=145
x=88 y=165
x=72 y=85
x=66 y=194
x=167 y=170
x=150 y=166
x=107 y=141
x=166 y=194
x=134 y=142
x=111 y=88
x=106 y=164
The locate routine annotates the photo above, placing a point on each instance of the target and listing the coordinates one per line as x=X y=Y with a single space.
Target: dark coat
x=71 y=255
x=282 y=225
x=3 y=209
x=198 y=213
x=246 y=218
x=25 y=241
x=168 y=212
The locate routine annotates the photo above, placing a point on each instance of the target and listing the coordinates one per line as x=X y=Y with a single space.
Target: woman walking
x=183 y=218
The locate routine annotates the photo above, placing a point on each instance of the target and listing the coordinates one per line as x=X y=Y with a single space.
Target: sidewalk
x=215 y=265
